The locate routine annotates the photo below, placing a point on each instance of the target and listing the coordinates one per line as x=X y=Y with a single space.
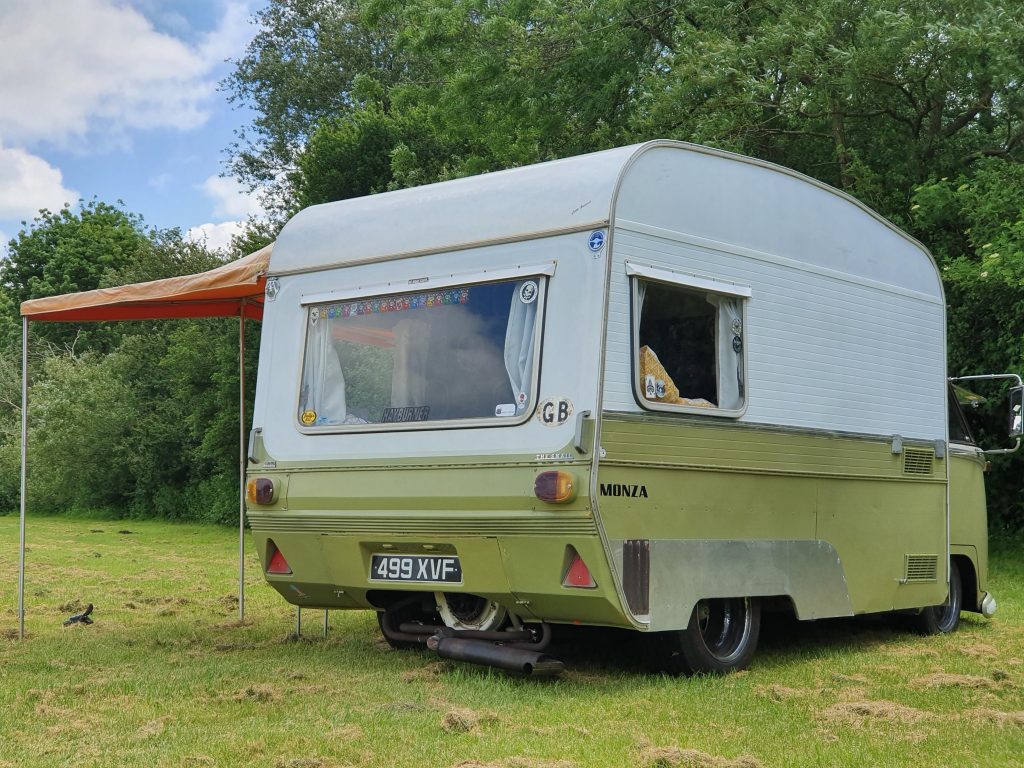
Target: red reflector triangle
x=278 y=564
x=579 y=574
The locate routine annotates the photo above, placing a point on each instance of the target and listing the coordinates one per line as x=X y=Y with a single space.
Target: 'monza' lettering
x=620 y=489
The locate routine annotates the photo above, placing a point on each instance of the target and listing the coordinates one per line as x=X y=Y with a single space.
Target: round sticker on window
x=528 y=292
x=308 y=417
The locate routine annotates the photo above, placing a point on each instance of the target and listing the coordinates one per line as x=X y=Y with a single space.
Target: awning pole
x=241 y=461
x=24 y=459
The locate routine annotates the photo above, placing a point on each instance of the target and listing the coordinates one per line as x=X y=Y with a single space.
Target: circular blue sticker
x=596 y=241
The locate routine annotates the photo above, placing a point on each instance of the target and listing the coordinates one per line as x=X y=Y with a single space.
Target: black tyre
x=942 y=619
x=721 y=636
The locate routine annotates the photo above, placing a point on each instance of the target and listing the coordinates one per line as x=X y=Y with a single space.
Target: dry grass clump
x=995 y=717
x=153 y=727
x=777 y=692
x=947 y=680
x=259 y=693
x=674 y=757
x=460 y=720
x=857 y=713
x=516 y=762
x=979 y=650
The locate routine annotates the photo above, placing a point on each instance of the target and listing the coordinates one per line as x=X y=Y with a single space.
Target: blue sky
x=118 y=100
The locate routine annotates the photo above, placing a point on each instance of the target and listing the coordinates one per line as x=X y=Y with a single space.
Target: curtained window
x=458 y=353
x=689 y=347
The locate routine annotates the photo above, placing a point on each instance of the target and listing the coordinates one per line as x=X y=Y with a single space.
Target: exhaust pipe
x=489 y=654
x=988 y=606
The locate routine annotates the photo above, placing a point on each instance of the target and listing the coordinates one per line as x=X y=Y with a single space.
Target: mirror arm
x=1016 y=446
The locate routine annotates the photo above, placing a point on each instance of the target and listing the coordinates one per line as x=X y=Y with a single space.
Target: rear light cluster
x=275 y=560
x=555 y=486
x=577 y=574
x=261 y=490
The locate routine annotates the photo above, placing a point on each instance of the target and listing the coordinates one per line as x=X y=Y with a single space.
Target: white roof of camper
x=727 y=193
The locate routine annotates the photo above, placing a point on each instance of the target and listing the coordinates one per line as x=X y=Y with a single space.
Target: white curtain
x=730 y=361
x=324 y=387
x=522 y=319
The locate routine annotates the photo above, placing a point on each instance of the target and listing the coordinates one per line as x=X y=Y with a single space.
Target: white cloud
x=215 y=236
x=230 y=199
x=90 y=71
x=28 y=183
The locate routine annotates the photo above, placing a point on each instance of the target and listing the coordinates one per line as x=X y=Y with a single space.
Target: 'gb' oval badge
x=554 y=411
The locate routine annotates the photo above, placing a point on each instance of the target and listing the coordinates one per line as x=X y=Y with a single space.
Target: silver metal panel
x=823 y=353
x=684 y=571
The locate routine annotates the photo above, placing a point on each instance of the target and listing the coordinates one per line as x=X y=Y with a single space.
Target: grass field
x=167 y=677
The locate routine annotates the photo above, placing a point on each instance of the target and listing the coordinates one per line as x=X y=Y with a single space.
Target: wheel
x=461 y=611
x=721 y=636
x=942 y=619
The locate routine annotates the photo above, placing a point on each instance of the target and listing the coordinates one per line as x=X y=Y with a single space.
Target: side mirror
x=1016 y=405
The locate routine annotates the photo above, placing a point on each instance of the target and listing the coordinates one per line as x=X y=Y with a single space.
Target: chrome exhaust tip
x=988 y=606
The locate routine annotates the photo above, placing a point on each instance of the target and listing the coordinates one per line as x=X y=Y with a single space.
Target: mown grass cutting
x=167 y=676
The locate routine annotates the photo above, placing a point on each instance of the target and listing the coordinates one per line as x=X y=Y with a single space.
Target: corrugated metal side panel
x=823 y=353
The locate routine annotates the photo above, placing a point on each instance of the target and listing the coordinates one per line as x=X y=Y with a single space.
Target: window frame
x=541 y=273
x=699 y=284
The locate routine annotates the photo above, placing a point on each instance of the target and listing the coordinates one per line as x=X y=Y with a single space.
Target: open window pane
x=459 y=353
x=689 y=347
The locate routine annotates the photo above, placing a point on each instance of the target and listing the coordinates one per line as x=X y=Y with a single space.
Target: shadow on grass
x=784 y=640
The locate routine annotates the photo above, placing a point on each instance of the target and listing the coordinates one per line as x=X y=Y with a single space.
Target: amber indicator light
x=555 y=486
x=260 y=490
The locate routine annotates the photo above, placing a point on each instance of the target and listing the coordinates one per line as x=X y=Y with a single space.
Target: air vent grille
x=917 y=461
x=921 y=568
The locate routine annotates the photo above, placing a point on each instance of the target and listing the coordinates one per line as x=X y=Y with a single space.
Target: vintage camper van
x=659 y=387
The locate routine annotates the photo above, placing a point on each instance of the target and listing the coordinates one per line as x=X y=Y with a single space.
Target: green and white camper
x=656 y=387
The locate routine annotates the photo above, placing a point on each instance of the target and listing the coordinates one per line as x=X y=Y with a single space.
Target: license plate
x=443 y=569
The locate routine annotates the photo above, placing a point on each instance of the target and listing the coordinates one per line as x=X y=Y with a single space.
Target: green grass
x=167 y=677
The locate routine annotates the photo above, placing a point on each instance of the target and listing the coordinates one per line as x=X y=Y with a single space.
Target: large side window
x=688 y=347
x=455 y=354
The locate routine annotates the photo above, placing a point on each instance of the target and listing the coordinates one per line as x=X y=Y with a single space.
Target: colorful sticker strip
x=398 y=303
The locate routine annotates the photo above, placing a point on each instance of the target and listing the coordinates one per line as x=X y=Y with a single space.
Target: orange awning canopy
x=222 y=292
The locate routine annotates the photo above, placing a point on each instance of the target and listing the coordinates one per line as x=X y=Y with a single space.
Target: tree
x=975 y=222
x=871 y=96
x=67 y=251
x=300 y=69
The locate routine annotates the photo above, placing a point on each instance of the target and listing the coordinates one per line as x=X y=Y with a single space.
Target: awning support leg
x=24 y=460
x=241 y=462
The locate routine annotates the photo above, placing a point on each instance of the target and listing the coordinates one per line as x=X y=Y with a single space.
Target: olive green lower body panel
x=968 y=521
x=329 y=521
x=841 y=524
x=522 y=572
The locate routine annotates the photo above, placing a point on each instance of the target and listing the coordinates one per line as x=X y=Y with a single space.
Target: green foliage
x=140 y=419
x=894 y=103
x=67 y=251
x=975 y=222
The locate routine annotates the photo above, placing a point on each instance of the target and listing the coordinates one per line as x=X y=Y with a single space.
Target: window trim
x=687 y=280
x=412 y=285
x=483 y=278
x=636 y=272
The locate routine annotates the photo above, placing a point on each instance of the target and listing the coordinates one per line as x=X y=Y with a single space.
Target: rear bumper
x=524 y=572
